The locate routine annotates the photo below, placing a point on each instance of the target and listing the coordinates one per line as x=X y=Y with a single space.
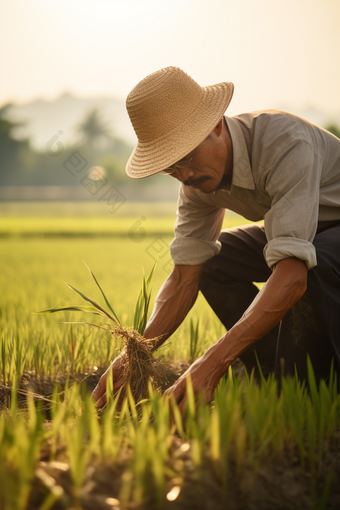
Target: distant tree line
x=21 y=165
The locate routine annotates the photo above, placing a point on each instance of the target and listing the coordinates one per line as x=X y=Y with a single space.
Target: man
x=267 y=165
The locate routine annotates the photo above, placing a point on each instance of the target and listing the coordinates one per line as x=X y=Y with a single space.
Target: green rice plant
x=11 y=359
x=143 y=303
x=160 y=437
x=58 y=412
x=138 y=364
x=147 y=434
x=140 y=317
x=215 y=435
x=21 y=436
x=111 y=429
x=311 y=435
x=324 y=405
x=294 y=407
x=141 y=309
x=194 y=351
x=4 y=363
x=226 y=424
x=177 y=418
x=330 y=393
x=75 y=433
x=196 y=423
x=94 y=308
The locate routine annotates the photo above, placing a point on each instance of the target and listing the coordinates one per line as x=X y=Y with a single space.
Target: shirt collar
x=242 y=174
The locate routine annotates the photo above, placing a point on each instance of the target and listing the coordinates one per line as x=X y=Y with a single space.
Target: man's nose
x=185 y=173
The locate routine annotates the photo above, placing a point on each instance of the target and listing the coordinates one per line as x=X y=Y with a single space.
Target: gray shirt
x=285 y=171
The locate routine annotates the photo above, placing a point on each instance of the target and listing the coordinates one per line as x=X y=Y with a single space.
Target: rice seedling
x=194 y=351
x=20 y=437
x=138 y=364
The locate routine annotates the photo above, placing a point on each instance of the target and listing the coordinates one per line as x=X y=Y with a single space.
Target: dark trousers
x=311 y=327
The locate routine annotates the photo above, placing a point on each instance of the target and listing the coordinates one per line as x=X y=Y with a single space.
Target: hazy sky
x=276 y=52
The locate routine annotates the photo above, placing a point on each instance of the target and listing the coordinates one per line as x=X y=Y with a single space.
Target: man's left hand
x=205 y=374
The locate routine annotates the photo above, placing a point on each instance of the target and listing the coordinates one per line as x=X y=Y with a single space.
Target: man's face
x=212 y=159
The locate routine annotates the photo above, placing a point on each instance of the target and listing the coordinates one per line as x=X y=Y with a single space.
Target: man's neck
x=225 y=182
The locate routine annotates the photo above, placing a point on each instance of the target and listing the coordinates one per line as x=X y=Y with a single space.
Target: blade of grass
x=101 y=290
x=143 y=302
x=89 y=300
x=75 y=308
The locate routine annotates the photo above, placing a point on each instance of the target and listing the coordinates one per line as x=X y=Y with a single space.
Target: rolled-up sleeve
x=291 y=223
x=197 y=228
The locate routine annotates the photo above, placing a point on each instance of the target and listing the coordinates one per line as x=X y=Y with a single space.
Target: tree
x=94 y=129
x=15 y=155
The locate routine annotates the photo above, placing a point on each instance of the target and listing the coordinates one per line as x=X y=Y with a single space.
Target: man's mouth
x=195 y=184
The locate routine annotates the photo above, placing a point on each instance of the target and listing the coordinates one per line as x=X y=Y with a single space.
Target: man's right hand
x=115 y=370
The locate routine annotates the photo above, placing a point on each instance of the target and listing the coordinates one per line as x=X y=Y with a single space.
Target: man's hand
x=115 y=370
x=205 y=374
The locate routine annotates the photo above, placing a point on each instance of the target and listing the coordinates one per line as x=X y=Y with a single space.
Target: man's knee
x=326 y=272
x=327 y=246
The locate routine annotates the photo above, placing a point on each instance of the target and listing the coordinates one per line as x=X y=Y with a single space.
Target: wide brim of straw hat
x=149 y=158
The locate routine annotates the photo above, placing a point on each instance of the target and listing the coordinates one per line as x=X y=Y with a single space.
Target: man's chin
x=208 y=187
x=211 y=186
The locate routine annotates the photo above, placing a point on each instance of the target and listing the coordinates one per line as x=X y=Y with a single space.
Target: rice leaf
x=101 y=290
x=143 y=302
x=89 y=300
x=137 y=312
x=151 y=273
x=75 y=308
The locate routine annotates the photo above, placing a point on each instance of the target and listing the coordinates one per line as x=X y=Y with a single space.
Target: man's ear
x=219 y=128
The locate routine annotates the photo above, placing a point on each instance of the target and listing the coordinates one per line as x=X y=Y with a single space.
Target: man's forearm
x=284 y=288
x=173 y=302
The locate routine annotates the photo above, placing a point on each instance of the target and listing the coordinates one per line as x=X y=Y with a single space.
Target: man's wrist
x=229 y=347
x=217 y=357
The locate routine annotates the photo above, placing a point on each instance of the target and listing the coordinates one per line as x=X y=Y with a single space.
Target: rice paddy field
x=250 y=448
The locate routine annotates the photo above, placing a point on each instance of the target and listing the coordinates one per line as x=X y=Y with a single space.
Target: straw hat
x=171 y=114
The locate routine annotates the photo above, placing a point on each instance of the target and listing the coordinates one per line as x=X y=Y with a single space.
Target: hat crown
x=161 y=102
